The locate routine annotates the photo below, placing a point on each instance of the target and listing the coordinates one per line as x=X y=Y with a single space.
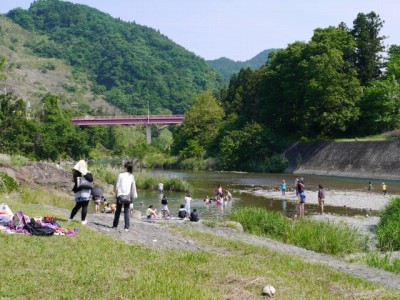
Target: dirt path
x=160 y=236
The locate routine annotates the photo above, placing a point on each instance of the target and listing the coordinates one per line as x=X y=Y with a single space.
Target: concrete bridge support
x=148 y=133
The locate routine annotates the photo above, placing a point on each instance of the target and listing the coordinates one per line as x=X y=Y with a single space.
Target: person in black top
x=194 y=216
x=82 y=193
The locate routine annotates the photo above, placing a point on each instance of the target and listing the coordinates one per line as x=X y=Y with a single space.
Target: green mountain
x=228 y=67
x=31 y=77
x=130 y=65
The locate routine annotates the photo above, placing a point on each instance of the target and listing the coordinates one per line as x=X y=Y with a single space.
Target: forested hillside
x=228 y=67
x=338 y=84
x=131 y=65
x=31 y=77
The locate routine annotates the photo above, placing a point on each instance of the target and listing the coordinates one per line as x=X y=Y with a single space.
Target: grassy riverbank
x=94 y=266
x=109 y=174
x=322 y=237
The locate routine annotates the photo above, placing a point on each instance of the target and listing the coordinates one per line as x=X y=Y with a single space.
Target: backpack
x=164 y=201
x=38 y=229
x=18 y=221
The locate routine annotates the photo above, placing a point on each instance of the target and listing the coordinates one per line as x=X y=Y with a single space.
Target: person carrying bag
x=125 y=191
x=83 y=184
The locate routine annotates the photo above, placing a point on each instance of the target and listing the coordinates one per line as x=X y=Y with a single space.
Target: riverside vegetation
x=329 y=87
x=87 y=265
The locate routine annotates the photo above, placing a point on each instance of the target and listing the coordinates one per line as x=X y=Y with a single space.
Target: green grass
x=94 y=266
x=322 y=237
x=371 y=138
x=388 y=229
x=382 y=261
x=109 y=175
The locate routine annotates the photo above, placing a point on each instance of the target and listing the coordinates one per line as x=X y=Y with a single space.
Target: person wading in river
x=321 y=198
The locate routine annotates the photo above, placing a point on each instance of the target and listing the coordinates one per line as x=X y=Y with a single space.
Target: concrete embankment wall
x=378 y=160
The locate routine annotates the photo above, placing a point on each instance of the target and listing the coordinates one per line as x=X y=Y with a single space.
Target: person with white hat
x=83 y=181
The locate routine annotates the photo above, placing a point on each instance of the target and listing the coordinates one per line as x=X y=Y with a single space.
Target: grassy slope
x=28 y=78
x=93 y=266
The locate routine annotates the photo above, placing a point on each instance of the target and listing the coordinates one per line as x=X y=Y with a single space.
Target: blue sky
x=240 y=29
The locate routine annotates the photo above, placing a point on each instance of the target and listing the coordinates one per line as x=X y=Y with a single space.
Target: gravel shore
x=340 y=198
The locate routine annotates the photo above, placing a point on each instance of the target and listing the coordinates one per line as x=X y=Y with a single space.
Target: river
x=246 y=187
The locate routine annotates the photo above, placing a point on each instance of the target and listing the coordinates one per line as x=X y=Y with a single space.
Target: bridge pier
x=148 y=133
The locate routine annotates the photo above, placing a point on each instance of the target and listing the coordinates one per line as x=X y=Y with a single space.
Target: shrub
x=198 y=164
x=386 y=262
x=274 y=164
x=327 y=237
x=323 y=237
x=159 y=160
x=7 y=184
x=18 y=160
x=106 y=174
x=388 y=229
x=261 y=222
x=149 y=182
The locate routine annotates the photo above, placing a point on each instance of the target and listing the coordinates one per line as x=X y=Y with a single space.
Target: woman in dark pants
x=125 y=186
x=82 y=194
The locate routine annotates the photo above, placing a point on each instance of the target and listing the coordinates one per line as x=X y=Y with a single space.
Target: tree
x=380 y=106
x=393 y=64
x=58 y=137
x=332 y=90
x=16 y=132
x=201 y=123
x=368 y=60
x=282 y=89
x=240 y=147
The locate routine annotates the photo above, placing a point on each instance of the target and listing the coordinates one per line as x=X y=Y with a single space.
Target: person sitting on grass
x=151 y=212
x=182 y=212
x=194 y=216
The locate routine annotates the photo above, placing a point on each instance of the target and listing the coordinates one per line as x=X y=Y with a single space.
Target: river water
x=246 y=187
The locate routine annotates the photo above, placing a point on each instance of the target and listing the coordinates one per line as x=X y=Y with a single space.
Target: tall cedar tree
x=368 y=61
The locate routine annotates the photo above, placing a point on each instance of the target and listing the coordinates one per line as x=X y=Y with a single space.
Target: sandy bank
x=340 y=198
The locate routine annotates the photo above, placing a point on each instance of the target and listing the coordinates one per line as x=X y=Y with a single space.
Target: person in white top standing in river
x=125 y=186
x=188 y=200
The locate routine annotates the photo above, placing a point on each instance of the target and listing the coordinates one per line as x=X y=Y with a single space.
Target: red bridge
x=128 y=120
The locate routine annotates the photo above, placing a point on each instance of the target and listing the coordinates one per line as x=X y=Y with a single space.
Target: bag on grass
x=18 y=221
x=38 y=229
x=4 y=209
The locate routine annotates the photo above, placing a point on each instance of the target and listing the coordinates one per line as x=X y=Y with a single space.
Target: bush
x=198 y=164
x=388 y=229
x=13 y=160
x=106 y=174
x=323 y=237
x=261 y=222
x=7 y=184
x=159 y=161
x=274 y=164
x=327 y=237
x=147 y=182
x=385 y=262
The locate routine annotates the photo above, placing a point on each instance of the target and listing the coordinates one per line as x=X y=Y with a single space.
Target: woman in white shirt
x=125 y=186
